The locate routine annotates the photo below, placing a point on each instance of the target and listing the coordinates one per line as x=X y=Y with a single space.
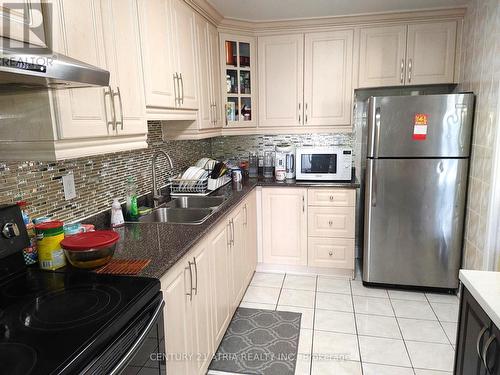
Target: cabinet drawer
x=331 y=252
x=332 y=197
x=331 y=222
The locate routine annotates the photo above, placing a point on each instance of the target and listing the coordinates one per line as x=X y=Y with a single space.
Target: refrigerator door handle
x=373 y=185
x=377 y=132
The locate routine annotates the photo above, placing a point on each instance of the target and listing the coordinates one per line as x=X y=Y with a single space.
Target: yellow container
x=49 y=236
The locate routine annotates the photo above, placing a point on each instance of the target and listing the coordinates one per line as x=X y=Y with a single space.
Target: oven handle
x=130 y=353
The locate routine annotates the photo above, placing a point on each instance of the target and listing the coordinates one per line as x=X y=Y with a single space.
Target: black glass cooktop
x=54 y=322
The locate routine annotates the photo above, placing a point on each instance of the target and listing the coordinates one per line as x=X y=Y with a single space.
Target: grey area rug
x=259 y=342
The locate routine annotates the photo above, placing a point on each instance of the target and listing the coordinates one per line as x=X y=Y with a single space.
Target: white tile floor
x=349 y=329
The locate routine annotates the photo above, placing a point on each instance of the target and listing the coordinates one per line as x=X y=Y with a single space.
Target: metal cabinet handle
x=232 y=232
x=331 y=197
x=303 y=204
x=479 y=340
x=176 y=84
x=229 y=233
x=410 y=66
x=330 y=223
x=196 y=275
x=485 y=355
x=190 y=293
x=402 y=70
x=330 y=253
x=182 y=89
x=109 y=91
x=306 y=113
x=119 y=95
x=299 y=114
x=246 y=214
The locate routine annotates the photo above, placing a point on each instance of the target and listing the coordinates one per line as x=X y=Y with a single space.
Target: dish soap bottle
x=132 y=209
x=116 y=214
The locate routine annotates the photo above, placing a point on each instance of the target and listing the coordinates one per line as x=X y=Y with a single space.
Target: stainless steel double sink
x=184 y=210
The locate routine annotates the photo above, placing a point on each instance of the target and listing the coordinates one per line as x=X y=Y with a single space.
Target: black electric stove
x=76 y=322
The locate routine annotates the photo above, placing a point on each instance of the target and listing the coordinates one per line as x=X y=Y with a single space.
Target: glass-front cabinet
x=238 y=86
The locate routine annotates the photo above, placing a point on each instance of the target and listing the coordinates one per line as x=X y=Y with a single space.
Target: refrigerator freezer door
x=414 y=214
x=420 y=126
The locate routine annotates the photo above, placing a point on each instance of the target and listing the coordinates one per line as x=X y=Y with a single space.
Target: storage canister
x=49 y=236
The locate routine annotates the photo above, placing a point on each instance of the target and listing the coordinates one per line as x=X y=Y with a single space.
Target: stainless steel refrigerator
x=415 y=189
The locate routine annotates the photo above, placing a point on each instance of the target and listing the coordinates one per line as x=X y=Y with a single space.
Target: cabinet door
x=213 y=41
x=281 y=80
x=328 y=78
x=430 y=55
x=205 y=112
x=202 y=343
x=238 y=251
x=382 y=56
x=157 y=55
x=219 y=244
x=284 y=226
x=22 y=20
x=473 y=323
x=184 y=52
x=251 y=233
x=123 y=56
x=78 y=33
x=491 y=354
x=175 y=284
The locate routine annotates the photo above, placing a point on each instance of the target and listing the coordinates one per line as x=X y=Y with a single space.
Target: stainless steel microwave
x=329 y=163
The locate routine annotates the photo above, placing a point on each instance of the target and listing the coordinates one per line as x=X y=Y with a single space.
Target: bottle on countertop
x=132 y=208
x=117 y=219
x=30 y=253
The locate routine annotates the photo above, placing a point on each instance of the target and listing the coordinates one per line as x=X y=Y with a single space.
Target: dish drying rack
x=199 y=187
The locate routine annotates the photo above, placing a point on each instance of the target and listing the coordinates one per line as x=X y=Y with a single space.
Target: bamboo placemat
x=124 y=266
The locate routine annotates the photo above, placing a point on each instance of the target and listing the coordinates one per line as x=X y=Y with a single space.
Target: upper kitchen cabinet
x=430 y=53
x=306 y=79
x=168 y=46
x=409 y=54
x=123 y=57
x=382 y=56
x=71 y=123
x=23 y=21
x=239 y=85
x=184 y=43
x=156 y=47
x=328 y=78
x=281 y=77
x=207 y=39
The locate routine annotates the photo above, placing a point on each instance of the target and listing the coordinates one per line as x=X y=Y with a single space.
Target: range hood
x=22 y=68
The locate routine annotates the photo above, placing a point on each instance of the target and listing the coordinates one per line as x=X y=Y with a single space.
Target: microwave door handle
x=131 y=352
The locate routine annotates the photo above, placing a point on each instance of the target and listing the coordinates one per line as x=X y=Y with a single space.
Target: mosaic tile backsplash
x=98 y=179
x=480 y=73
x=240 y=146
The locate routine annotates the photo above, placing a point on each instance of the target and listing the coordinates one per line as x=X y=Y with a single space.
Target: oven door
x=139 y=349
x=317 y=165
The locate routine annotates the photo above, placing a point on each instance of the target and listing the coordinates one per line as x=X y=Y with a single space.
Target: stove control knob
x=10 y=230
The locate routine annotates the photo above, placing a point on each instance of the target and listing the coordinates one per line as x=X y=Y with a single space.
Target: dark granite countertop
x=165 y=243
x=270 y=182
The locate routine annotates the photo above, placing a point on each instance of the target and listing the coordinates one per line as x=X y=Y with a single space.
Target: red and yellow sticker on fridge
x=420 y=127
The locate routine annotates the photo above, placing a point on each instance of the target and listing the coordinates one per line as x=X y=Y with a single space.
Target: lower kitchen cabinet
x=284 y=226
x=331 y=252
x=309 y=228
x=203 y=290
x=478 y=340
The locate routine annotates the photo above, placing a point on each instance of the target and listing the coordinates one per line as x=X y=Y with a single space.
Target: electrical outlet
x=69 y=186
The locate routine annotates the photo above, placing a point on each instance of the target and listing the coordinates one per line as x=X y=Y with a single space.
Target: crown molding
x=207 y=10
x=258 y=27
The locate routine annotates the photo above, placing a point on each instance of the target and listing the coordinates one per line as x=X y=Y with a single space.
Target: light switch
x=69 y=186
